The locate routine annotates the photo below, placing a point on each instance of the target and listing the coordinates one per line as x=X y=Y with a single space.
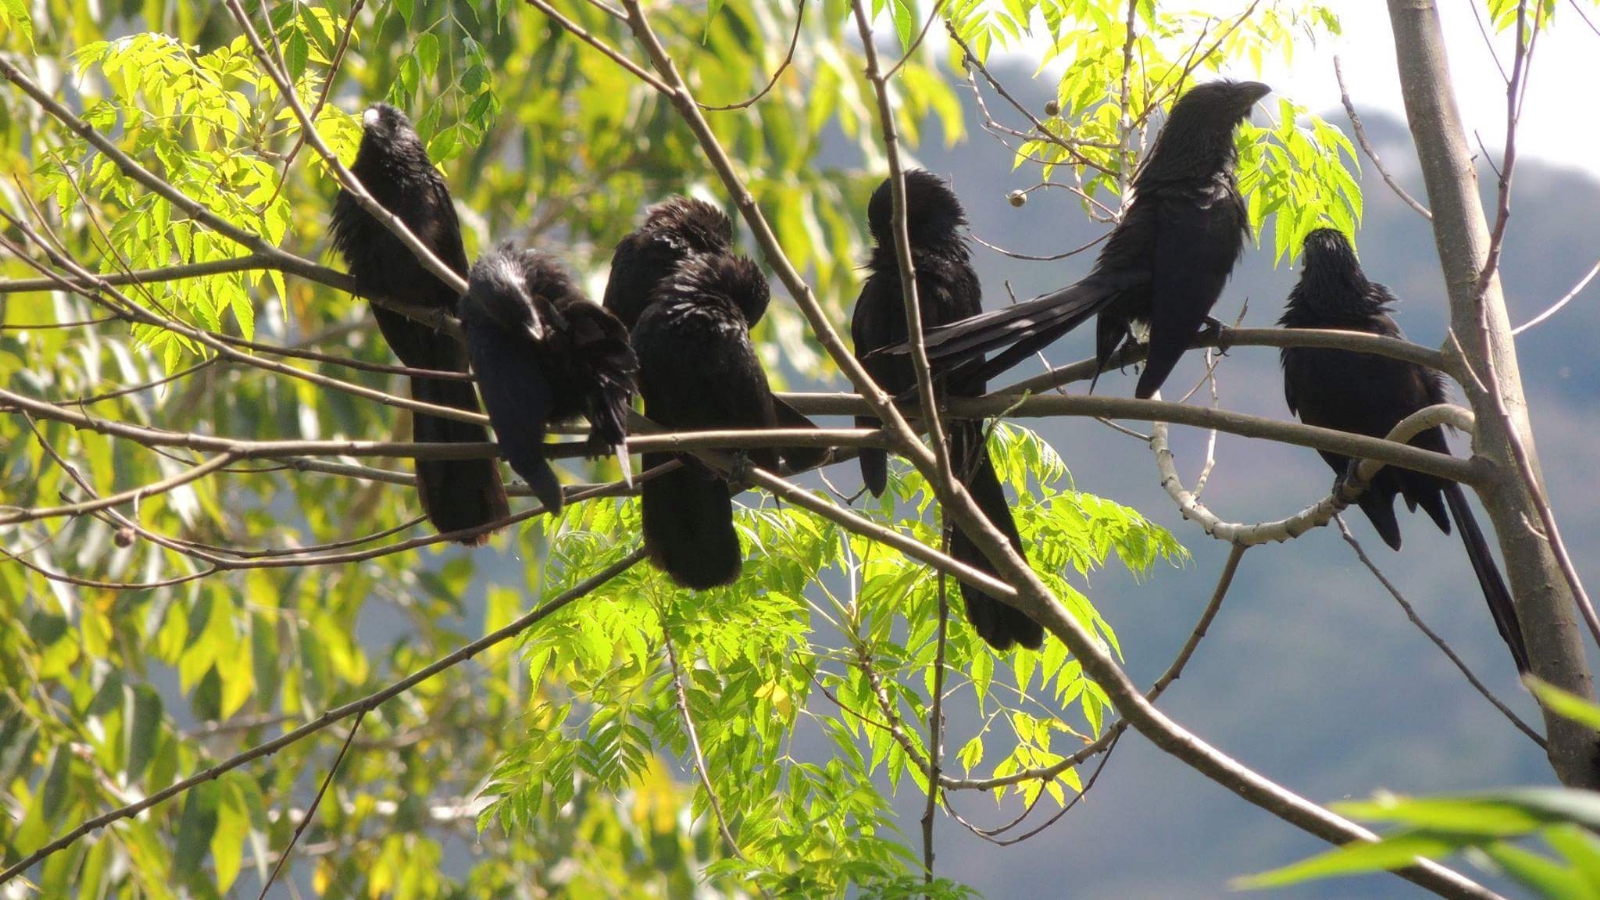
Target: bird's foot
x=1216 y=332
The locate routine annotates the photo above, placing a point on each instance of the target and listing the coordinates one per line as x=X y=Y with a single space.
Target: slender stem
x=926 y=392
x=1411 y=613
x=1366 y=145
x=311 y=810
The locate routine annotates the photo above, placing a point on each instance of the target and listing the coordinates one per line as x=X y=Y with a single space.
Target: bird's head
x=932 y=209
x=385 y=130
x=1227 y=102
x=1197 y=139
x=735 y=280
x=700 y=226
x=1328 y=247
x=498 y=292
x=1332 y=284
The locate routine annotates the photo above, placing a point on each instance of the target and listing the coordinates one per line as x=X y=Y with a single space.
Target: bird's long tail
x=874 y=462
x=1017 y=331
x=688 y=525
x=455 y=493
x=1483 y=565
x=1001 y=625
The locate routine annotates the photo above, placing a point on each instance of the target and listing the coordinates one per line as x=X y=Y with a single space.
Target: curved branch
x=1346 y=492
x=1104 y=742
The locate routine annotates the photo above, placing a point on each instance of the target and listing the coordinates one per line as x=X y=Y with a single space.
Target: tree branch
x=1344 y=531
x=1347 y=491
x=1366 y=145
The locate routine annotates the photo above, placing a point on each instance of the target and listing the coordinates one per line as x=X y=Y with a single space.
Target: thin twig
x=1411 y=613
x=1371 y=151
x=316 y=801
x=788 y=58
x=936 y=719
x=1104 y=742
x=1556 y=307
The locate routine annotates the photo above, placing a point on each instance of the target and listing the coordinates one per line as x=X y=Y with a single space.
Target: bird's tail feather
x=874 y=462
x=1001 y=625
x=1379 y=509
x=1483 y=565
x=798 y=458
x=455 y=493
x=688 y=526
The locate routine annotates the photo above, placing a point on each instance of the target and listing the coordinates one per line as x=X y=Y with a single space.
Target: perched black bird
x=1367 y=394
x=393 y=166
x=947 y=291
x=544 y=353
x=1164 y=265
x=698 y=371
x=673 y=230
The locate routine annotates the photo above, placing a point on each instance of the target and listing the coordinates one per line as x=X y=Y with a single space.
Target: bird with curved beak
x=393 y=167
x=1164 y=265
x=543 y=353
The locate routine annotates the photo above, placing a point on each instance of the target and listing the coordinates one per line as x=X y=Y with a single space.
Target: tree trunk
x=1544 y=600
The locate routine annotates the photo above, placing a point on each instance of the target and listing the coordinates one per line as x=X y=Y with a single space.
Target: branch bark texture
x=1544 y=599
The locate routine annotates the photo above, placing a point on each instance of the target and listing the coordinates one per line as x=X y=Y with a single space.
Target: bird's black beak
x=1254 y=90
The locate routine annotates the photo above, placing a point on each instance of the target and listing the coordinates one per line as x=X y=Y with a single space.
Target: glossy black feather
x=1164 y=265
x=544 y=353
x=1367 y=394
x=672 y=231
x=394 y=168
x=698 y=371
x=947 y=290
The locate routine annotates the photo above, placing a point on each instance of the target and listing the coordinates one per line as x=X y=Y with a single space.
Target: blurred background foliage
x=563 y=767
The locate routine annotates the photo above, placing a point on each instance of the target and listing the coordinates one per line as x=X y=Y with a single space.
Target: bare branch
x=788 y=58
x=1366 y=145
x=316 y=801
x=1556 y=307
x=1347 y=491
x=1439 y=642
x=926 y=392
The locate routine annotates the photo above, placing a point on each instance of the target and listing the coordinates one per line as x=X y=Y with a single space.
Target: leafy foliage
x=1114 y=82
x=135 y=655
x=825 y=633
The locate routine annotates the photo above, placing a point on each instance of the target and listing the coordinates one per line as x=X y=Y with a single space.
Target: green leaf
x=428 y=54
x=1564 y=704
x=1392 y=852
x=15 y=14
x=295 y=53
x=196 y=827
x=141 y=727
x=1495 y=814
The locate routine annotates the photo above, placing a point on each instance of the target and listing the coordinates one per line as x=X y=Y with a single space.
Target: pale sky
x=1558 y=125
x=1558 y=122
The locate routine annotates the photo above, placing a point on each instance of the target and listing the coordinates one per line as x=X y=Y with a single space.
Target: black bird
x=947 y=291
x=1367 y=394
x=674 y=230
x=544 y=353
x=394 y=168
x=1164 y=265
x=698 y=371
